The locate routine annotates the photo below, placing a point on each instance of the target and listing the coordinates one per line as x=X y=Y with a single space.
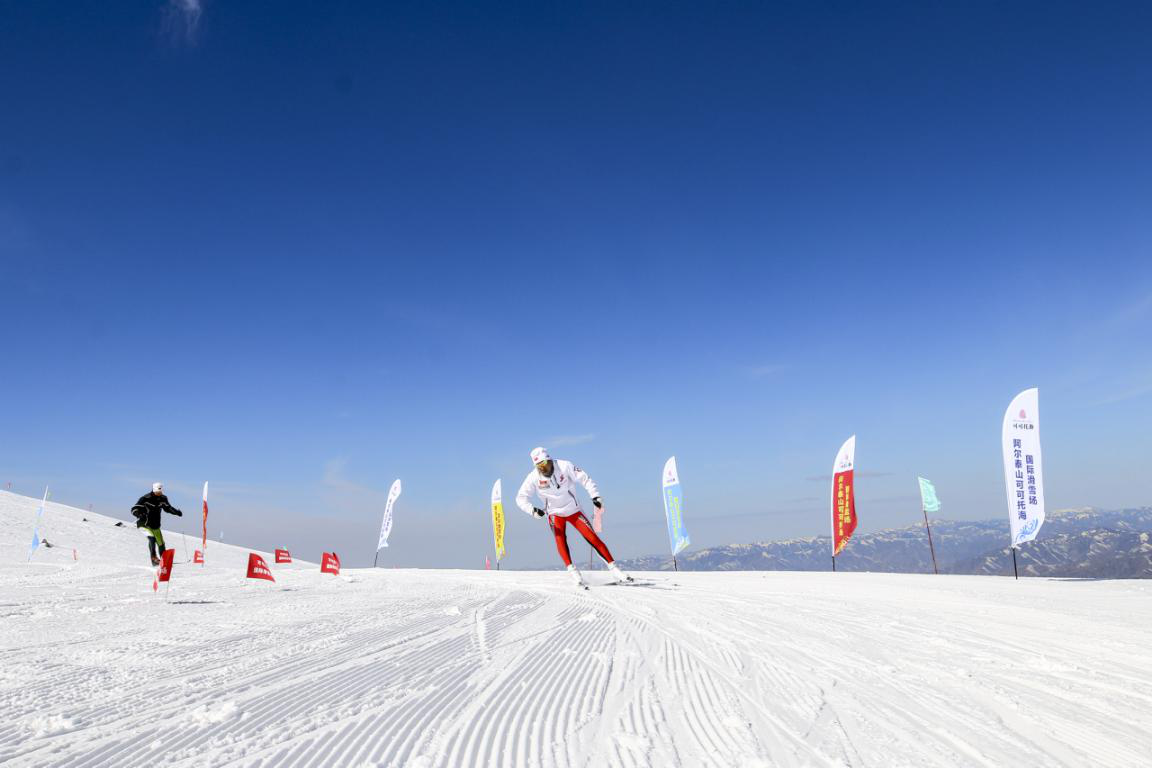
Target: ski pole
x=184 y=536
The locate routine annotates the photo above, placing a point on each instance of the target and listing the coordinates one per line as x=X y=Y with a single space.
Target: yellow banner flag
x=498 y=521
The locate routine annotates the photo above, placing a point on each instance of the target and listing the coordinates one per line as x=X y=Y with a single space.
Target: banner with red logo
x=1022 y=475
x=330 y=563
x=283 y=556
x=257 y=568
x=198 y=557
x=843 y=496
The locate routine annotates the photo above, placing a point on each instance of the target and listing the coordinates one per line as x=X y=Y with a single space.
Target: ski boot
x=619 y=575
x=576 y=578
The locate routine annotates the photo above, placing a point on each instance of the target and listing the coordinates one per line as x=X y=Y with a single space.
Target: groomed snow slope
x=474 y=668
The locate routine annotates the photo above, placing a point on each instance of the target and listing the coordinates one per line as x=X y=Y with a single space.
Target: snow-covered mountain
x=1085 y=543
x=483 y=668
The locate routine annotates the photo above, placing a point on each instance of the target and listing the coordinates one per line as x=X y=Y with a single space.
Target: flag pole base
x=1015 y=572
x=931 y=546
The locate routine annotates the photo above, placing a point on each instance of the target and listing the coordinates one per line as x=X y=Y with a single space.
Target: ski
x=637 y=583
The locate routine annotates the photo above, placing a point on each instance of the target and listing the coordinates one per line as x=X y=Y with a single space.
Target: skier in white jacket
x=552 y=481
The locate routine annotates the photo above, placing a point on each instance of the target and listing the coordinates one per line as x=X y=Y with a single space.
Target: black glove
x=178 y=513
x=538 y=512
x=597 y=503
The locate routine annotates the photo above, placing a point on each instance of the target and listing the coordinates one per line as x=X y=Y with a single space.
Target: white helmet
x=157 y=487
x=540 y=455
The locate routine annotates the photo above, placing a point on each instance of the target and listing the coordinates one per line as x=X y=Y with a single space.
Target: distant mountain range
x=1078 y=543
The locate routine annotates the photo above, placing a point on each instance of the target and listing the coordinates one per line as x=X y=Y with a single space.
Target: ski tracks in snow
x=397 y=668
x=460 y=668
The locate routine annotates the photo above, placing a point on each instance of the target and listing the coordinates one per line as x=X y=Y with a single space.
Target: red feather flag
x=204 y=533
x=283 y=556
x=330 y=563
x=843 y=496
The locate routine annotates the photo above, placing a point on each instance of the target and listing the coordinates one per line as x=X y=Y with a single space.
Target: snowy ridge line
x=77 y=537
x=1084 y=543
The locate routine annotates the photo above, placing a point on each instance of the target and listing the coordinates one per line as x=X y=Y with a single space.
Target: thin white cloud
x=223 y=488
x=764 y=371
x=345 y=492
x=335 y=476
x=1133 y=315
x=857 y=473
x=144 y=484
x=182 y=20
x=216 y=488
x=1134 y=312
x=1128 y=394
x=570 y=439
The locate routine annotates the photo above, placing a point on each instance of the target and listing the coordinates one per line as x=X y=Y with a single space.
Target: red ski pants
x=580 y=523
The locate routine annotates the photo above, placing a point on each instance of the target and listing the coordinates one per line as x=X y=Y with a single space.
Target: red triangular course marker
x=258 y=569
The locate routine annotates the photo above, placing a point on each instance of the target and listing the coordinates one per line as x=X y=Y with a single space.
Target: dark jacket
x=147 y=510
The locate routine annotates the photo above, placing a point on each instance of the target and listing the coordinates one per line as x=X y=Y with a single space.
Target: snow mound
x=213 y=714
x=38 y=727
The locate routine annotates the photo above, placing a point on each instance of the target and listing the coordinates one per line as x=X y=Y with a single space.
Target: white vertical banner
x=1023 y=478
x=674 y=507
x=36 y=528
x=386 y=525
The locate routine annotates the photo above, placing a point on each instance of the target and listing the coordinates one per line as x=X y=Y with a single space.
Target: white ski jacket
x=556 y=492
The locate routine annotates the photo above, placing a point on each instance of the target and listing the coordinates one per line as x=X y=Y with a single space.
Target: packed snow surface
x=473 y=668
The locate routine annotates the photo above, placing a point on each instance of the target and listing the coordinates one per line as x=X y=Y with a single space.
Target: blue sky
x=299 y=252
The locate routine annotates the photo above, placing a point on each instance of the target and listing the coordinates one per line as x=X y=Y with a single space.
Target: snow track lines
x=465 y=668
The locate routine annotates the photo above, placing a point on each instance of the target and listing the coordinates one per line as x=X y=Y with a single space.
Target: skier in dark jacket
x=147 y=514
